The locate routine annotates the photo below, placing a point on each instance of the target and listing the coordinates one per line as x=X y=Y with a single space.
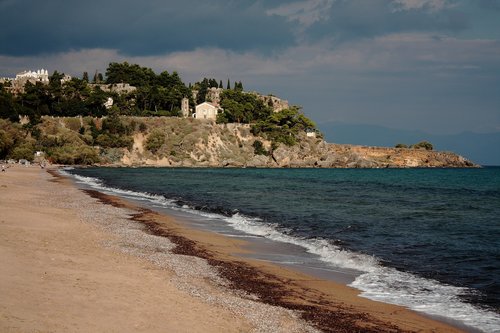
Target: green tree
x=242 y=108
x=85 y=76
x=25 y=150
x=95 y=102
x=11 y=135
x=8 y=109
x=284 y=126
x=202 y=88
x=113 y=124
x=238 y=86
x=133 y=74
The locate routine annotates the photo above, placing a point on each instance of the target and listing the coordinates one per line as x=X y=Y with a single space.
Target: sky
x=412 y=65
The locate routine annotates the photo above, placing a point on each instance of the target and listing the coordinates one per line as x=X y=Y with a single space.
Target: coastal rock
x=281 y=156
x=231 y=163
x=258 y=161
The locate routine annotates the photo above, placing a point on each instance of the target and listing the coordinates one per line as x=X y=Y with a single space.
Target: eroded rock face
x=211 y=145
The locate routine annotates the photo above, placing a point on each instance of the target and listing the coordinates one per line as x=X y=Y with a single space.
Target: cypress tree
x=228 y=87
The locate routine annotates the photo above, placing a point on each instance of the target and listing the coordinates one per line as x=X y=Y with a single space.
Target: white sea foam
x=376 y=282
x=383 y=283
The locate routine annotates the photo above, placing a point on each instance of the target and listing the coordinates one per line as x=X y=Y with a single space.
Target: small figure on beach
x=3 y=168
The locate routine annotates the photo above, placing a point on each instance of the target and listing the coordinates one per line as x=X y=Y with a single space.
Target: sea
x=426 y=239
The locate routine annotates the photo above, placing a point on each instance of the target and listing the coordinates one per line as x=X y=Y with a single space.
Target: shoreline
x=327 y=305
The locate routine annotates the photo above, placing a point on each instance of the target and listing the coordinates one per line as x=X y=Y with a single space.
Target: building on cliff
x=277 y=104
x=119 y=88
x=41 y=75
x=185 y=107
x=213 y=96
x=207 y=111
x=17 y=84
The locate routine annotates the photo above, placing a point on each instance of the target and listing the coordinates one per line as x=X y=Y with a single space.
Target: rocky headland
x=191 y=143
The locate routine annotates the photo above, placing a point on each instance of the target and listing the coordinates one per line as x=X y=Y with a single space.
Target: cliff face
x=203 y=144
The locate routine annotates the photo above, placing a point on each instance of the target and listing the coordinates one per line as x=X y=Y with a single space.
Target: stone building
x=207 y=111
x=277 y=104
x=213 y=95
x=119 y=88
x=185 y=107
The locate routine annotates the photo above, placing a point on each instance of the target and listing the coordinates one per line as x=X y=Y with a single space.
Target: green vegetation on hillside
x=240 y=107
x=284 y=126
x=89 y=132
x=420 y=145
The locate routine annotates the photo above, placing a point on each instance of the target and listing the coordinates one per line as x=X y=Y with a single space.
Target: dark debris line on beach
x=323 y=314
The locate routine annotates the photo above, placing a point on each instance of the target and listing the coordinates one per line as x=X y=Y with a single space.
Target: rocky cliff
x=191 y=143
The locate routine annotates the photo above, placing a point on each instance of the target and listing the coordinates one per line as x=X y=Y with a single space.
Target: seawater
x=428 y=239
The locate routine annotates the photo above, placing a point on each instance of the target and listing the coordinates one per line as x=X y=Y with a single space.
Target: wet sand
x=79 y=260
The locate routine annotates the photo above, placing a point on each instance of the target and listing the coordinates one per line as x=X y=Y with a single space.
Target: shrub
x=423 y=145
x=258 y=148
x=155 y=140
x=143 y=127
x=24 y=151
x=107 y=140
x=72 y=123
x=74 y=155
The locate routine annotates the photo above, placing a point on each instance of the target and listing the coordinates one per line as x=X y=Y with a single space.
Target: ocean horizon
x=427 y=239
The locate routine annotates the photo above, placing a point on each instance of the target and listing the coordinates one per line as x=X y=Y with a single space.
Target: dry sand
x=74 y=261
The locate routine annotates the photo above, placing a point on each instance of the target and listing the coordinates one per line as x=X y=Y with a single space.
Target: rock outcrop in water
x=204 y=144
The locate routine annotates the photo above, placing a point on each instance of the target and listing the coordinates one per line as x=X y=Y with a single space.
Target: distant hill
x=482 y=148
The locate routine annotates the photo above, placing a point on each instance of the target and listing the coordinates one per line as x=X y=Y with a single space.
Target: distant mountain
x=482 y=148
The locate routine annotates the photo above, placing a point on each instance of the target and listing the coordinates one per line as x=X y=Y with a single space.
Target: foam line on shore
x=376 y=281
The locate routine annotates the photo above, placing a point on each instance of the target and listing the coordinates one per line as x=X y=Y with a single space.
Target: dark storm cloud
x=490 y=4
x=358 y=19
x=138 y=27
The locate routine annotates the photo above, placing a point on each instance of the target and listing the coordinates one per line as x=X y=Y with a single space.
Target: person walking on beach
x=3 y=168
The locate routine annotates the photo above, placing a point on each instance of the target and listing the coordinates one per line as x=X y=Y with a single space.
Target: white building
x=206 y=110
x=41 y=75
x=109 y=103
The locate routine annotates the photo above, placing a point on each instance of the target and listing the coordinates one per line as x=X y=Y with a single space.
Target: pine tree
x=85 y=77
x=220 y=84
x=228 y=87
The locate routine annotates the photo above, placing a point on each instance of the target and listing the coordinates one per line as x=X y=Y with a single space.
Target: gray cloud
x=429 y=65
x=138 y=27
x=357 y=19
x=158 y=27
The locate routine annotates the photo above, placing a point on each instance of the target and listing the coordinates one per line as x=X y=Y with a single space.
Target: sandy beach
x=82 y=261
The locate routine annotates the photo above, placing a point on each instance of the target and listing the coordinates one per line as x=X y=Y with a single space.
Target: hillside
x=231 y=145
x=187 y=142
